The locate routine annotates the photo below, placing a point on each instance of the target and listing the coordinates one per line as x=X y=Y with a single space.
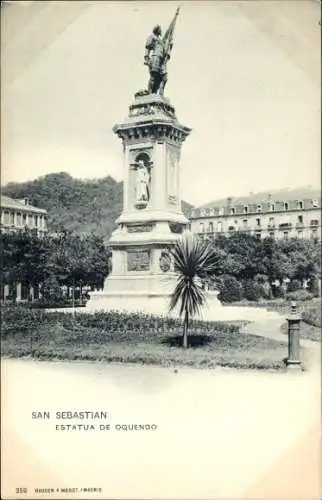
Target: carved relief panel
x=138 y=259
x=173 y=174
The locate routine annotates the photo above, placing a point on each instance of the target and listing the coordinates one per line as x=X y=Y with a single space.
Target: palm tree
x=194 y=261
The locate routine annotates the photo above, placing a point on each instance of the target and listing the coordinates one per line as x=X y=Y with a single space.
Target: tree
x=230 y=290
x=194 y=262
x=81 y=206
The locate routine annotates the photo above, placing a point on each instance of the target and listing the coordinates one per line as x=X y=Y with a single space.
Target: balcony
x=285 y=226
x=299 y=225
x=314 y=223
x=271 y=226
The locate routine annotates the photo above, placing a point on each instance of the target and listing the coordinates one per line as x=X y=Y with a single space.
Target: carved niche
x=142 y=184
x=140 y=228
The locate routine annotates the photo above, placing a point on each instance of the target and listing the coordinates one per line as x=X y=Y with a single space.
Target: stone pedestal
x=142 y=271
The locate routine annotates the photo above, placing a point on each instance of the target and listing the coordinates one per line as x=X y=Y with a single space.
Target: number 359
x=21 y=490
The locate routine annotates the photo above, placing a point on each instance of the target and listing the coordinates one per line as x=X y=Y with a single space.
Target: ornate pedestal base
x=148 y=302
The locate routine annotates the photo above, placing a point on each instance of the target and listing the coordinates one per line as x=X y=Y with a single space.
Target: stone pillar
x=18 y=297
x=153 y=135
x=6 y=292
x=294 y=319
x=159 y=182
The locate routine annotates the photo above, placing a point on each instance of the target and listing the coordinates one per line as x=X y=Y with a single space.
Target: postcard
x=160 y=250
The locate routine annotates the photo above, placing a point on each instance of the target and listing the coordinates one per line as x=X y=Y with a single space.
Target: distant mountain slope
x=82 y=206
x=303 y=193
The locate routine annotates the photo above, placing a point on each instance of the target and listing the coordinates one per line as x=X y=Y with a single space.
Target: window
x=18 y=219
x=300 y=205
x=221 y=211
x=258 y=235
x=258 y=222
x=211 y=227
x=202 y=227
x=245 y=209
x=12 y=218
x=315 y=203
x=271 y=222
x=286 y=206
x=272 y=207
x=314 y=234
x=36 y=220
x=30 y=220
x=232 y=211
x=271 y=234
x=300 y=235
x=220 y=228
x=258 y=208
x=245 y=222
x=24 y=219
x=285 y=234
x=314 y=222
x=300 y=219
x=6 y=218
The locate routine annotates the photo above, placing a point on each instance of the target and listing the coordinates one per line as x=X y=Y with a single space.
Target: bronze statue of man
x=156 y=59
x=157 y=54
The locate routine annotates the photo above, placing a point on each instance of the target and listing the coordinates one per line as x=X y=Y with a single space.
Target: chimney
x=229 y=201
x=269 y=197
x=24 y=201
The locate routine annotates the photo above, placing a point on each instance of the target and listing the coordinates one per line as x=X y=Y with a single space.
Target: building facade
x=280 y=217
x=17 y=215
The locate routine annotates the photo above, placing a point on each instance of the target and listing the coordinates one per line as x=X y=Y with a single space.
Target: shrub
x=294 y=285
x=51 y=290
x=230 y=290
x=278 y=292
x=314 y=287
x=312 y=315
x=55 y=304
x=105 y=325
x=253 y=291
x=299 y=295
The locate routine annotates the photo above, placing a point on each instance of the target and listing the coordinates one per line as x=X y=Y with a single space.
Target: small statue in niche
x=142 y=182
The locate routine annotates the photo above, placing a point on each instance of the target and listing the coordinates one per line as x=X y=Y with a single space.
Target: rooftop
x=282 y=195
x=7 y=202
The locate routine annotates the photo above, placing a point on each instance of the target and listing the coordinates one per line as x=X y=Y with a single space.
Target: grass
x=223 y=346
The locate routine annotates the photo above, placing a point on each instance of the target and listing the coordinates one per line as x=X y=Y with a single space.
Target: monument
x=142 y=276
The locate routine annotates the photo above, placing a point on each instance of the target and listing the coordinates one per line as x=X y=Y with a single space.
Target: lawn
x=143 y=339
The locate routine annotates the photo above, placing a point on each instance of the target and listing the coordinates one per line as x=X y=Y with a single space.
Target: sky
x=245 y=76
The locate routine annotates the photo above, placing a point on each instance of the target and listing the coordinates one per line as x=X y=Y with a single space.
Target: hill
x=81 y=206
